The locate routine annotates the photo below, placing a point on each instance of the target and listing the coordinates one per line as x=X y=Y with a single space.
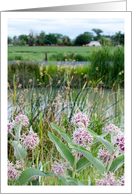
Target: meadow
x=62 y=133
x=37 y=53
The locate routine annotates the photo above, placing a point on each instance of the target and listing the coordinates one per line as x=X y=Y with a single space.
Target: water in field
x=108 y=101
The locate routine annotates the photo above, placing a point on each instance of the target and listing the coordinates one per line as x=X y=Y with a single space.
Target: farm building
x=93 y=43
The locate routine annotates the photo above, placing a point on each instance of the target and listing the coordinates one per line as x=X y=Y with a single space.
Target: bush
x=25 y=72
x=107 y=66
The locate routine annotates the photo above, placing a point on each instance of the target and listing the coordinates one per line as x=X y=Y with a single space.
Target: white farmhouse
x=93 y=43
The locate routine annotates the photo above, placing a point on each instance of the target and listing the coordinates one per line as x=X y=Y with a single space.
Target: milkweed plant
x=75 y=150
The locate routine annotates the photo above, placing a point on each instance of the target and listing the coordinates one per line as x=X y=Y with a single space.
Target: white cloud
x=66 y=26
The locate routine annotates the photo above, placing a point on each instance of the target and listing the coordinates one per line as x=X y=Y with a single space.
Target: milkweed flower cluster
x=105 y=155
x=31 y=140
x=119 y=140
x=117 y=137
x=80 y=118
x=108 y=180
x=122 y=180
x=82 y=138
x=12 y=170
x=23 y=119
x=110 y=128
x=9 y=127
x=58 y=168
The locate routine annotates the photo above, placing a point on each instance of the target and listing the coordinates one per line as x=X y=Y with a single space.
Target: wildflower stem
x=12 y=135
x=111 y=159
x=22 y=164
x=74 y=167
x=33 y=156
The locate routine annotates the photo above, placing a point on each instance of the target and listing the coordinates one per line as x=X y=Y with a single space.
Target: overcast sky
x=71 y=27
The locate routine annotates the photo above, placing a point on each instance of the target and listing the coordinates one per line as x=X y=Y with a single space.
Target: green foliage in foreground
x=28 y=174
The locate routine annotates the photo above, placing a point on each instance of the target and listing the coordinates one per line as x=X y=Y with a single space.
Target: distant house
x=10 y=44
x=93 y=43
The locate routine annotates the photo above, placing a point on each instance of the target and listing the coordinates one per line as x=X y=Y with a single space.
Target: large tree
x=98 y=32
x=50 y=39
x=83 y=38
x=118 y=38
x=23 y=38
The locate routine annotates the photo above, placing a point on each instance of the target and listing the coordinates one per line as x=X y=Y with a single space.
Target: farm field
x=37 y=53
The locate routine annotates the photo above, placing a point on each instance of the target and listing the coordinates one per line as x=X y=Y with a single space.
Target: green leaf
x=62 y=133
x=64 y=151
x=90 y=181
x=102 y=135
x=117 y=162
x=28 y=174
x=100 y=166
x=73 y=181
x=102 y=140
x=82 y=164
x=70 y=181
x=18 y=130
x=62 y=178
x=19 y=150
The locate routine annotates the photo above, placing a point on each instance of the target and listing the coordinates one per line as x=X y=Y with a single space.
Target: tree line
x=59 y=39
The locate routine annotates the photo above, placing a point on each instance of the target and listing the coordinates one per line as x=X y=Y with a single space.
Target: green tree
x=50 y=39
x=118 y=38
x=23 y=38
x=98 y=32
x=83 y=38
x=9 y=40
x=66 y=40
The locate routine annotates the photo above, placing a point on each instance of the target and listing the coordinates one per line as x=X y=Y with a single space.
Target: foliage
x=83 y=39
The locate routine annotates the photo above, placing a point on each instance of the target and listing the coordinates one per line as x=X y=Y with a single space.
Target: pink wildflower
x=23 y=119
x=80 y=118
x=17 y=165
x=58 y=168
x=9 y=127
x=122 y=179
x=12 y=172
x=111 y=128
x=108 y=180
x=31 y=140
x=119 y=140
x=82 y=137
x=104 y=155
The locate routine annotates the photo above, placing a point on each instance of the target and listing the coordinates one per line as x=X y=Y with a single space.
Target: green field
x=37 y=53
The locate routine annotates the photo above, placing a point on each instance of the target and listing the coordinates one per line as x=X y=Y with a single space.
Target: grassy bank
x=110 y=76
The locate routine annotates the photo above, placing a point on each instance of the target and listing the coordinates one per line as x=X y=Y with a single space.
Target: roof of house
x=96 y=43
